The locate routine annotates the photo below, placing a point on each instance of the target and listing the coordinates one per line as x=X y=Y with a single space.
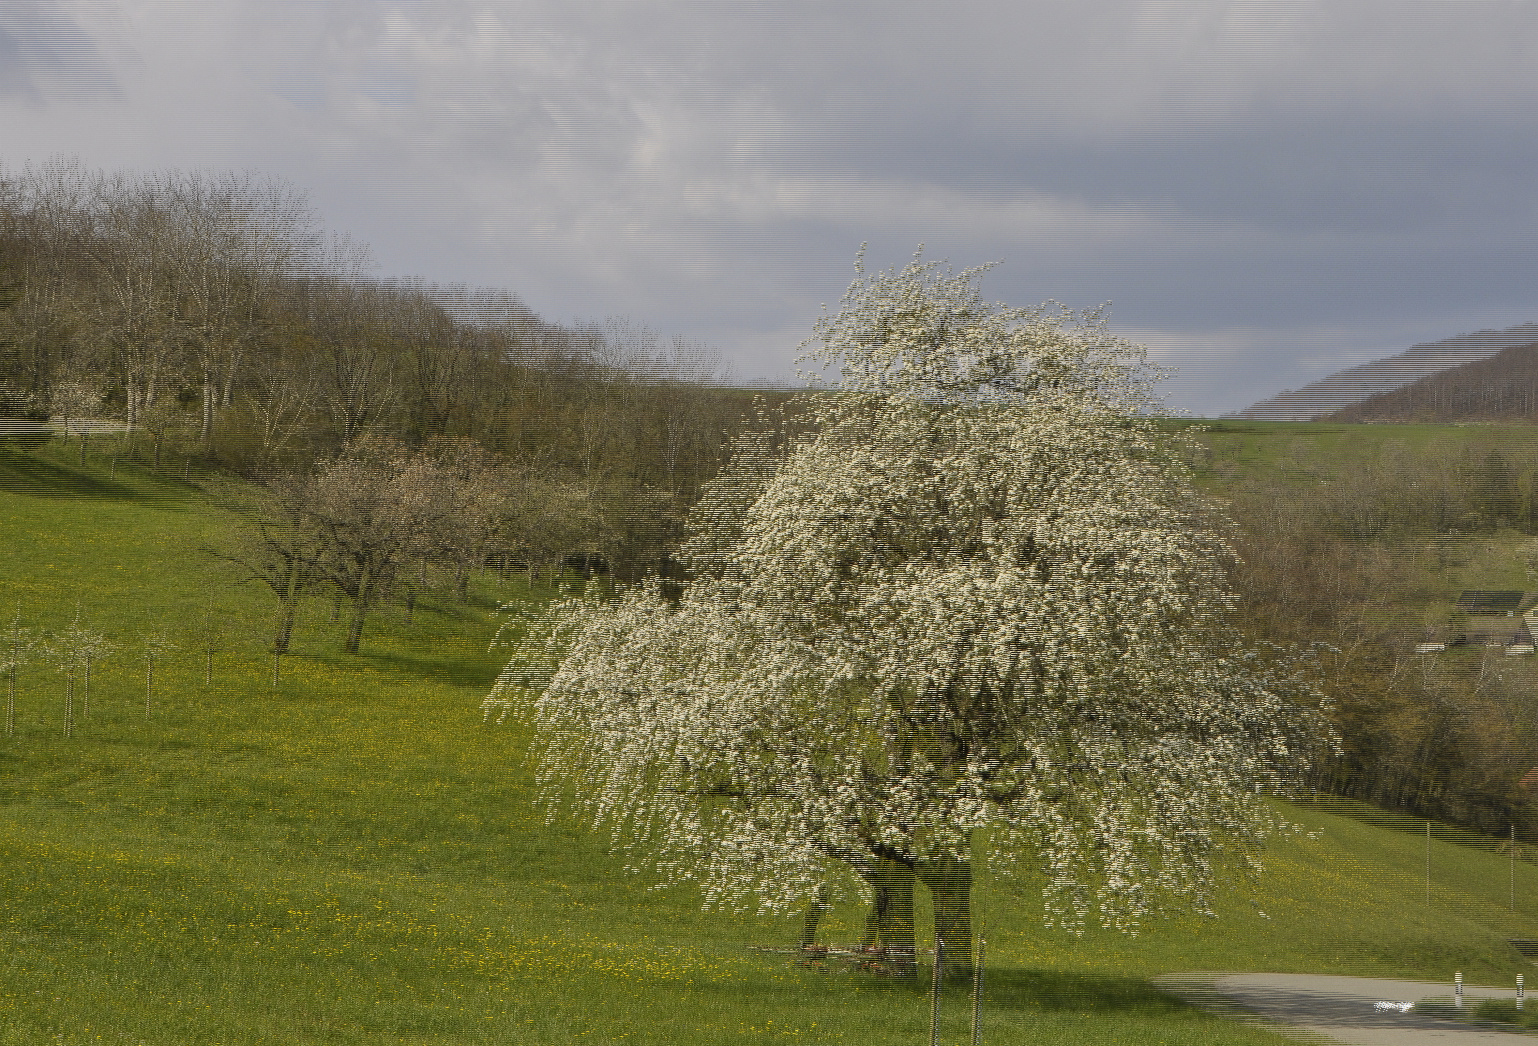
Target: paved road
x=73 y=427
x=1344 y=1009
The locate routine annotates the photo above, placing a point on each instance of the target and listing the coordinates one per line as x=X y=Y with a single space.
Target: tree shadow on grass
x=897 y=1009
x=1011 y=989
x=1053 y=991
x=24 y=474
x=433 y=669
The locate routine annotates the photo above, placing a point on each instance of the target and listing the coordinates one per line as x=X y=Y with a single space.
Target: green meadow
x=355 y=856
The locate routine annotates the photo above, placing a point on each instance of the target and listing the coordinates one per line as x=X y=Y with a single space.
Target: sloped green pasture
x=354 y=856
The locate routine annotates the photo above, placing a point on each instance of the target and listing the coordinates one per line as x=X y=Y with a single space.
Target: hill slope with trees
x=1356 y=541
x=210 y=318
x=1503 y=387
x=1347 y=387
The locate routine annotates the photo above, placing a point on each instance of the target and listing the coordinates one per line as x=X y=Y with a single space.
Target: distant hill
x=1503 y=387
x=1344 y=388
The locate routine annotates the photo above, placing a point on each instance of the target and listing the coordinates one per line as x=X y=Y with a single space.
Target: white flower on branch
x=978 y=599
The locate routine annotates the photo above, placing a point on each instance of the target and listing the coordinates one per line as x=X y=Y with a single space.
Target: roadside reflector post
x=934 y=988
x=977 y=994
x=1519 y=993
x=1458 y=990
x=1428 y=864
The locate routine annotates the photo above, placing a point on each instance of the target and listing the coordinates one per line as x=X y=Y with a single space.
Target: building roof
x=1489 y=601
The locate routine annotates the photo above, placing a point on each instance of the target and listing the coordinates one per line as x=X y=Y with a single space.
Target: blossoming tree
x=977 y=603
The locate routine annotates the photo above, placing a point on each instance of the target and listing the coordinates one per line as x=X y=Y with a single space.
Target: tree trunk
x=208 y=404
x=890 y=923
x=285 y=628
x=950 y=888
x=227 y=393
x=814 y=913
x=355 y=627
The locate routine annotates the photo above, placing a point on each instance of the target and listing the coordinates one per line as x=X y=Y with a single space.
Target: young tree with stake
x=72 y=651
x=18 y=649
x=156 y=645
x=979 y=599
x=92 y=648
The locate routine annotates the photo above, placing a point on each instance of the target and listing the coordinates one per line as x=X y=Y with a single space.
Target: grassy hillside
x=355 y=857
x=1360 y=538
x=1403 y=500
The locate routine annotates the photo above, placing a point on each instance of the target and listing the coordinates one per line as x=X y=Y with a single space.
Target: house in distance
x=1494 y=617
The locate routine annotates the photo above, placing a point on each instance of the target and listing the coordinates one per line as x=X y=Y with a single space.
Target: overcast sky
x=1264 y=192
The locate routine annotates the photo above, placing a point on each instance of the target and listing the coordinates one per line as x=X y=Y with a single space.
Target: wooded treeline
x=211 y=316
x=1501 y=388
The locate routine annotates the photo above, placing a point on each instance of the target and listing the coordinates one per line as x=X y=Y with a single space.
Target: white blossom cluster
x=978 y=599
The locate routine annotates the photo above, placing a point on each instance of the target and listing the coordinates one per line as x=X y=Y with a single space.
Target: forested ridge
x=1503 y=387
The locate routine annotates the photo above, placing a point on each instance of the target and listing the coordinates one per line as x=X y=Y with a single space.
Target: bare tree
x=545 y=520
x=370 y=504
x=237 y=235
x=78 y=398
x=163 y=419
x=40 y=277
x=127 y=307
x=346 y=337
x=280 y=547
x=473 y=491
x=279 y=400
x=436 y=355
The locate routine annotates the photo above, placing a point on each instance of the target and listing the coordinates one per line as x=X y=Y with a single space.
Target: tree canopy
x=977 y=598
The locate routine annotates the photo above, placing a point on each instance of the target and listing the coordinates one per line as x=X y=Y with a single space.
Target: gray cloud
x=44 y=56
x=1265 y=191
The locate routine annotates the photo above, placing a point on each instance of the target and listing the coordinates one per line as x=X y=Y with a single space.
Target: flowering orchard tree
x=978 y=599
